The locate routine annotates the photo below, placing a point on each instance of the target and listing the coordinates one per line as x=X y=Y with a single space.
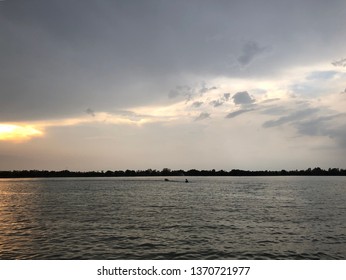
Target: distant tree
x=283 y=172
x=109 y=173
x=166 y=172
x=193 y=172
x=130 y=172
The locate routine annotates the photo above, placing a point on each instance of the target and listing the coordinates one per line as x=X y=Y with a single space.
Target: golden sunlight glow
x=18 y=133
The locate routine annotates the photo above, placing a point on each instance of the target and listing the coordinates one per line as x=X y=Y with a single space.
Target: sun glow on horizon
x=18 y=133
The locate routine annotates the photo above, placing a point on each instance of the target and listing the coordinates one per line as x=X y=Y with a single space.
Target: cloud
x=137 y=62
x=304 y=88
x=226 y=96
x=331 y=126
x=317 y=126
x=197 y=104
x=216 y=103
x=205 y=89
x=339 y=134
x=58 y=57
x=270 y=100
x=295 y=116
x=321 y=75
x=180 y=91
x=189 y=92
x=237 y=113
x=340 y=62
x=221 y=100
x=242 y=98
x=250 y=51
x=274 y=110
x=317 y=83
x=90 y=112
x=203 y=116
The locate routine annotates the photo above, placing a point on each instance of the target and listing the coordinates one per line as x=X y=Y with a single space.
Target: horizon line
x=316 y=171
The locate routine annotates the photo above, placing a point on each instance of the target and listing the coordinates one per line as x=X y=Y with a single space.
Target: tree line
x=317 y=171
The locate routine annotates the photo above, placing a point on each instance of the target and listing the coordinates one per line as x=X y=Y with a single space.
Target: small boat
x=167 y=180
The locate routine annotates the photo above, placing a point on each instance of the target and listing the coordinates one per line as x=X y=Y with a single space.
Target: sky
x=222 y=84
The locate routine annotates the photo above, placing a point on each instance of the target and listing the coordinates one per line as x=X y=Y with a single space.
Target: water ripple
x=210 y=218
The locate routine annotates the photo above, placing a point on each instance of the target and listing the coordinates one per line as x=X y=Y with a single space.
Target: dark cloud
x=216 y=103
x=317 y=126
x=340 y=62
x=221 y=100
x=295 y=116
x=237 y=113
x=57 y=57
x=242 y=98
x=189 y=92
x=205 y=89
x=173 y=93
x=331 y=126
x=250 y=51
x=90 y=112
x=226 y=96
x=197 y=104
x=203 y=116
x=270 y=100
x=313 y=122
x=184 y=91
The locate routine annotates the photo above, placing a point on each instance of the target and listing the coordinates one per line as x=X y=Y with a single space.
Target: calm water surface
x=147 y=218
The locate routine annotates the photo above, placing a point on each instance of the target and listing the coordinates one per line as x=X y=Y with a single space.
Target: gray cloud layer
x=59 y=57
x=237 y=113
x=203 y=116
x=250 y=51
x=294 y=116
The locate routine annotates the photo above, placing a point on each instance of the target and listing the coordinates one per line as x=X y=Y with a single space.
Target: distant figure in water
x=166 y=180
x=186 y=181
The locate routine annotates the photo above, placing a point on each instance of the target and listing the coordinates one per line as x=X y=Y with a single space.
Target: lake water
x=148 y=218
